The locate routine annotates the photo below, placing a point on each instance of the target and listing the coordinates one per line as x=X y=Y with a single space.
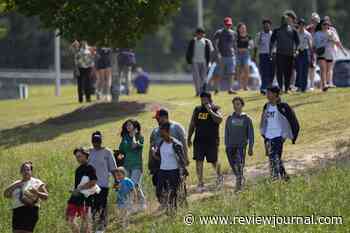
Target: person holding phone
x=205 y=124
x=130 y=151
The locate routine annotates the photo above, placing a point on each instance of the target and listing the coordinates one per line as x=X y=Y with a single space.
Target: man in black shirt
x=205 y=124
x=79 y=204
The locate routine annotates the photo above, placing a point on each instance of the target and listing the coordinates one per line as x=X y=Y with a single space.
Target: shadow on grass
x=87 y=116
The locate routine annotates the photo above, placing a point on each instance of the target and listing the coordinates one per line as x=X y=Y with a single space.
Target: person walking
x=172 y=167
x=311 y=28
x=198 y=55
x=239 y=132
x=176 y=131
x=102 y=159
x=205 y=124
x=130 y=149
x=244 y=44
x=225 y=44
x=324 y=41
x=286 y=40
x=278 y=123
x=80 y=202
x=26 y=195
x=126 y=61
x=266 y=64
x=104 y=74
x=304 y=56
x=85 y=61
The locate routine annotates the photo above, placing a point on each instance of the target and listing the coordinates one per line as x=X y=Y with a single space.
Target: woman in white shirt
x=26 y=195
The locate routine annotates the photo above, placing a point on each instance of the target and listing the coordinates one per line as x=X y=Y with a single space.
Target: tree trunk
x=115 y=77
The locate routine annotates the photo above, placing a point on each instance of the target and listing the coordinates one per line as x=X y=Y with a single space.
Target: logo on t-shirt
x=270 y=114
x=203 y=116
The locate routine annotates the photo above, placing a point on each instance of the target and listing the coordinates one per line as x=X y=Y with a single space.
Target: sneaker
x=232 y=92
x=200 y=188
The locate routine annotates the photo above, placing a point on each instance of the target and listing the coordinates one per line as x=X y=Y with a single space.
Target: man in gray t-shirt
x=225 y=43
x=103 y=161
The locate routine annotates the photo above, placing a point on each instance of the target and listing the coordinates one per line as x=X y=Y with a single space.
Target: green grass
x=45 y=129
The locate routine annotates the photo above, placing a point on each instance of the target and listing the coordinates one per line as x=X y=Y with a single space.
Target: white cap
x=315 y=17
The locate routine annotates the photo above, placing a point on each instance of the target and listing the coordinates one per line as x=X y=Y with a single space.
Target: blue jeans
x=267 y=70
x=243 y=58
x=136 y=176
x=302 y=69
x=236 y=159
x=228 y=66
x=274 y=150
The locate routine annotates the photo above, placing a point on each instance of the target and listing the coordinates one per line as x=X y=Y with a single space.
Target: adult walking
x=205 y=124
x=324 y=41
x=286 y=40
x=311 y=28
x=176 y=131
x=244 y=44
x=278 y=123
x=198 y=55
x=85 y=61
x=102 y=159
x=304 y=56
x=126 y=61
x=26 y=195
x=130 y=148
x=225 y=44
x=239 y=132
x=104 y=74
x=266 y=64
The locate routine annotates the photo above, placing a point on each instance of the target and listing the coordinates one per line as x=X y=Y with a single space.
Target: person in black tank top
x=244 y=43
x=205 y=125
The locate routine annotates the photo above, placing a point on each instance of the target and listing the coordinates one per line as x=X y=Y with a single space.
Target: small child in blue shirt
x=126 y=193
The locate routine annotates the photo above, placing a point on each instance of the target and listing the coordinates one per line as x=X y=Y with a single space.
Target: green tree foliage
x=112 y=23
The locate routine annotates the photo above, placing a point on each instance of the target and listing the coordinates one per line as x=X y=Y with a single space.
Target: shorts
x=74 y=210
x=323 y=58
x=104 y=62
x=207 y=151
x=25 y=218
x=243 y=58
x=228 y=66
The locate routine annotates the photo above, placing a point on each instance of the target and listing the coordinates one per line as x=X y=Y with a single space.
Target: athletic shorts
x=103 y=62
x=209 y=152
x=74 y=210
x=25 y=218
x=228 y=66
x=323 y=58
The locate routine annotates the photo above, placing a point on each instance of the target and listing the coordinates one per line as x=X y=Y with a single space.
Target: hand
x=34 y=191
x=208 y=107
x=154 y=149
x=250 y=151
x=189 y=143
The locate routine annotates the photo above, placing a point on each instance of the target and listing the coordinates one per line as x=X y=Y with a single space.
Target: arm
x=112 y=165
x=42 y=192
x=257 y=41
x=250 y=136
x=216 y=43
x=273 y=40
x=296 y=38
x=182 y=137
x=9 y=190
x=227 y=131
x=191 y=129
x=216 y=115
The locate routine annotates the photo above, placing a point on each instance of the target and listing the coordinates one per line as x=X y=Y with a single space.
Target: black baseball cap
x=96 y=137
x=266 y=20
x=274 y=89
x=205 y=94
x=301 y=21
x=200 y=30
x=81 y=150
x=161 y=112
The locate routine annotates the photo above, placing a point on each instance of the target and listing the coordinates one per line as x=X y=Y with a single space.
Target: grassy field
x=45 y=129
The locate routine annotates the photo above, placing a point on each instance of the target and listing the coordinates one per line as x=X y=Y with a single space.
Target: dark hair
x=267 y=20
x=241 y=24
x=165 y=126
x=81 y=150
x=136 y=125
x=26 y=163
x=240 y=99
x=319 y=26
x=200 y=30
x=96 y=136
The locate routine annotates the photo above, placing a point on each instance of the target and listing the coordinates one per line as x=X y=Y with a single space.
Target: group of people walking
x=168 y=160
x=290 y=53
x=93 y=70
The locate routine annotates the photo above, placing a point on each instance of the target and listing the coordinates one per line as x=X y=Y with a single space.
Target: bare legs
x=243 y=73
x=104 y=84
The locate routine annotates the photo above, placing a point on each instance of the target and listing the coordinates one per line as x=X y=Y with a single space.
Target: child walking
x=126 y=193
x=278 y=123
x=130 y=150
x=239 y=133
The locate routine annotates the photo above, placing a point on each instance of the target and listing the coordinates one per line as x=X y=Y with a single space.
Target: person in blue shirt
x=141 y=81
x=126 y=193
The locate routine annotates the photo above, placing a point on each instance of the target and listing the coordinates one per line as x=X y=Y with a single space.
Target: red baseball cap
x=228 y=21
